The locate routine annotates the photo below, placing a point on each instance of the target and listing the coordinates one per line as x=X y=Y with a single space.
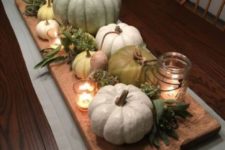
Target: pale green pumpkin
x=88 y=15
x=81 y=65
x=133 y=65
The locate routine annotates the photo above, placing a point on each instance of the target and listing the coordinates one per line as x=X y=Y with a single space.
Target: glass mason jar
x=172 y=69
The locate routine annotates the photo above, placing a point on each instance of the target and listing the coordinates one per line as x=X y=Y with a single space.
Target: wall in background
x=214 y=7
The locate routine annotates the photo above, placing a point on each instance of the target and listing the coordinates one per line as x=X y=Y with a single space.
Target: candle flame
x=86 y=97
x=86 y=87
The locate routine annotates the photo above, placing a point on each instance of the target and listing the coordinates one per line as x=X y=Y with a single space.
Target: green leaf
x=173 y=134
x=170 y=101
x=53 y=52
x=47 y=61
x=164 y=137
x=159 y=109
x=183 y=114
x=181 y=107
x=152 y=134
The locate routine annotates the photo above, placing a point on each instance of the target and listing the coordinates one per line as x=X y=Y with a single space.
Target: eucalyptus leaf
x=173 y=134
x=164 y=137
x=49 y=60
x=159 y=108
x=53 y=52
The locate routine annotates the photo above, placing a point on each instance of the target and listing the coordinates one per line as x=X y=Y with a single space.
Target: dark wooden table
x=164 y=25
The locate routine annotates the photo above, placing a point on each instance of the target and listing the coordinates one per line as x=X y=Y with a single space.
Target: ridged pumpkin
x=88 y=15
x=46 y=11
x=133 y=65
x=81 y=65
x=121 y=114
x=113 y=37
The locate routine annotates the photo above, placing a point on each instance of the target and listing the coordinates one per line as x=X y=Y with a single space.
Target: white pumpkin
x=112 y=37
x=43 y=28
x=88 y=15
x=121 y=114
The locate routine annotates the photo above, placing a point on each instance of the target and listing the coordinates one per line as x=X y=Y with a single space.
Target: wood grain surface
x=23 y=125
x=167 y=26
x=199 y=127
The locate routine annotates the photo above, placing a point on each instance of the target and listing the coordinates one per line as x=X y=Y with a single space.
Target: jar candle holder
x=172 y=69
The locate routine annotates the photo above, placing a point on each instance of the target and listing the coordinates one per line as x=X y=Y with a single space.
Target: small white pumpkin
x=46 y=11
x=81 y=65
x=121 y=114
x=43 y=28
x=112 y=37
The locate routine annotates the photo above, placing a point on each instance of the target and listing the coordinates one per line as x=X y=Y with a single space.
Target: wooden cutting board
x=195 y=129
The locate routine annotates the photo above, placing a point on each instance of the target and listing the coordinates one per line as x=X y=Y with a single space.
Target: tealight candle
x=172 y=72
x=84 y=100
x=86 y=86
x=85 y=94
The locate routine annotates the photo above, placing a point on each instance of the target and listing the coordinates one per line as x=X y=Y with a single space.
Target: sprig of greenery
x=51 y=57
x=103 y=78
x=166 y=115
x=32 y=7
x=73 y=41
x=151 y=91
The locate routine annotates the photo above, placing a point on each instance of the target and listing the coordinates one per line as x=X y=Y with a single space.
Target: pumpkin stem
x=138 y=57
x=88 y=54
x=49 y=3
x=47 y=22
x=117 y=30
x=121 y=101
x=142 y=60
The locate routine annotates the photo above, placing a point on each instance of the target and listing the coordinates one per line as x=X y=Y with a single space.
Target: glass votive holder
x=172 y=69
x=85 y=92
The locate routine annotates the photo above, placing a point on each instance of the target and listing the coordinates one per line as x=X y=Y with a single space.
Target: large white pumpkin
x=121 y=121
x=89 y=15
x=112 y=37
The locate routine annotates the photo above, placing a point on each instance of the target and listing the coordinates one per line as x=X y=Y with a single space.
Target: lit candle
x=170 y=93
x=84 y=100
x=172 y=72
x=86 y=92
x=86 y=87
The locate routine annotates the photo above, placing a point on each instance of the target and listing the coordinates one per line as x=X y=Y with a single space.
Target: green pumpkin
x=81 y=65
x=130 y=65
x=88 y=15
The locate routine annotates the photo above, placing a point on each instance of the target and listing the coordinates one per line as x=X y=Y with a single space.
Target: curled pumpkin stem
x=142 y=60
x=117 y=30
x=121 y=101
